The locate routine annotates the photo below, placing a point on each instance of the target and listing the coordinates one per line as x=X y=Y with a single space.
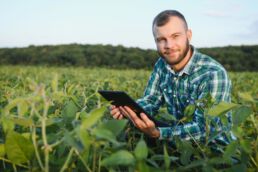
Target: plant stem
x=34 y=141
x=56 y=143
x=252 y=159
x=44 y=136
x=94 y=158
x=14 y=168
x=99 y=163
x=67 y=160
x=7 y=160
x=84 y=163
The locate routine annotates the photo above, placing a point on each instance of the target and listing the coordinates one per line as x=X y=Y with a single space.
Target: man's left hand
x=143 y=123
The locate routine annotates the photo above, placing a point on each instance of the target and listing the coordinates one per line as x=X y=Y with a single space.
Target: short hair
x=163 y=17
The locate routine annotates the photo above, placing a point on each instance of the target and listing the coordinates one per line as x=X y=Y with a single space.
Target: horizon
x=119 y=45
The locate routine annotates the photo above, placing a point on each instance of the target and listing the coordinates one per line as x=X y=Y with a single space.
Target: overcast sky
x=124 y=22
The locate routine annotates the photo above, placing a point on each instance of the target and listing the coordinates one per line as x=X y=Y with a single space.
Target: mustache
x=171 y=51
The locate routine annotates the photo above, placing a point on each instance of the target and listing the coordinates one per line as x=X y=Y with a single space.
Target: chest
x=180 y=91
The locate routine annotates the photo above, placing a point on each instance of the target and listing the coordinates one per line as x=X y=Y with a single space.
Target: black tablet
x=120 y=98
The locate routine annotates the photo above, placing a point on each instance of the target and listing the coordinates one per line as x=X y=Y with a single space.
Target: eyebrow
x=176 y=33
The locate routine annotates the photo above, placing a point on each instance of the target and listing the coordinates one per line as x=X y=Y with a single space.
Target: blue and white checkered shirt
x=201 y=75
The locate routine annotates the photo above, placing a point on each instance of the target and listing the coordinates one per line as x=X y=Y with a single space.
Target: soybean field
x=53 y=119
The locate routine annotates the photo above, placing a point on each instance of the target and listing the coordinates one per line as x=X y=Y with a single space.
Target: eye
x=176 y=36
x=160 y=40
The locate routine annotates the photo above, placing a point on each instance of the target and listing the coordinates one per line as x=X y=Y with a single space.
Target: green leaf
x=186 y=150
x=189 y=110
x=246 y=96
x=238 y=131
x=161 y=158
x=8 y=125
x=69 y=111
x=84 y=137
x=18 y=149
x=218 y=160
x=224 y=120
x=86 y=140
x=71 y=141
x=83 y=115
x=221 y=108
x=141 y=150
x=230 y=149
x=2 y=150
x=25 y=122
x=142 y=166
x=166 y=157
x=238 y=168
x=122 y=157
x=166 y=117
x=12 y=104
x=246 y=145
x=241 y=114
x=105 y=134
x=115 y=126
x=54 y=83
x=92 y=118
x=50 y=121
x=194 y=164
x=22 y=108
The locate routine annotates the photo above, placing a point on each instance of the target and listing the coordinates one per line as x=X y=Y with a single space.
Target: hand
x=144 y=123
x=115 y=112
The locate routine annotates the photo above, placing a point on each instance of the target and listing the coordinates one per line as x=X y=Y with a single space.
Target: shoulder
x=160 y=65
x=208 y=64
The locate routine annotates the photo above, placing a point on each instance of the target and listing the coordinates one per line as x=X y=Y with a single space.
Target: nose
x=169 y=44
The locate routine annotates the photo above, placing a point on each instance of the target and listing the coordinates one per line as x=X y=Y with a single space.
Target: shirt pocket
x=167 y=93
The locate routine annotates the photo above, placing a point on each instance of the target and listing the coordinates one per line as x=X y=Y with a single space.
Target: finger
x=120 y=117
x=124 y=112
x=131 y=113
x=146 y=120
x=138 y=122
x=113 y=107
x=114 y=111
x=116 y=115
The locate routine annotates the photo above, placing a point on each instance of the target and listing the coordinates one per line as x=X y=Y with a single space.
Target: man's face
x=172 y=40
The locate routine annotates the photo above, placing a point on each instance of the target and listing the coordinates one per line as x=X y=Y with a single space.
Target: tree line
x=233 y=58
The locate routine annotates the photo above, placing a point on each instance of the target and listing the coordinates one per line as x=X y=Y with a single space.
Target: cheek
x=160 y=46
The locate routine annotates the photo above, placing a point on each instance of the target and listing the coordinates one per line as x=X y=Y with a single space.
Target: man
x=180 y=76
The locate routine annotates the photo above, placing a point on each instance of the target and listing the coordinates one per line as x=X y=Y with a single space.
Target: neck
x=178 y=67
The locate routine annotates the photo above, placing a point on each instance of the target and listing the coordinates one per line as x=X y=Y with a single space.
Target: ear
x=189 y=34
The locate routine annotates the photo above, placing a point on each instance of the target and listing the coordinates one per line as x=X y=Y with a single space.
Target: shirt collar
x=188 y=67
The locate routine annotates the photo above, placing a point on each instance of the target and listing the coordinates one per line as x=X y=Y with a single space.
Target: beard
x=175 y=60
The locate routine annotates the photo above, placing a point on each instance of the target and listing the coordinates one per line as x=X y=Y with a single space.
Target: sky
x=124 y=22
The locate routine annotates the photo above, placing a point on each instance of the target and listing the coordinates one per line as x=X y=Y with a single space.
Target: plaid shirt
x=201 y=75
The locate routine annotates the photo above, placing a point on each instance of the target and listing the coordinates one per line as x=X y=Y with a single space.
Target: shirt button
x=187 y=101
x=175 y=78
x=174 y=95
x=165 y=89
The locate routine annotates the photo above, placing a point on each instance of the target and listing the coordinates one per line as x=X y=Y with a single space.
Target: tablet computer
x=121 y=98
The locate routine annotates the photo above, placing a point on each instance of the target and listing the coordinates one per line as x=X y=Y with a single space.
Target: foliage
x=234 y=58
x=52 y=119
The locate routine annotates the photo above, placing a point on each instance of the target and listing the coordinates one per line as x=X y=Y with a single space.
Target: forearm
x=187 y=131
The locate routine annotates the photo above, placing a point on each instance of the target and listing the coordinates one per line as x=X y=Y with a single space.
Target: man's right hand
x=116 y=112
